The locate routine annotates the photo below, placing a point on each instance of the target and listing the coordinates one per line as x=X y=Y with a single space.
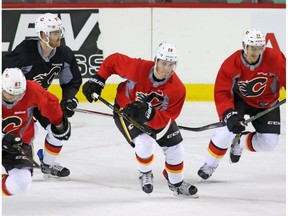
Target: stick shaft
x=221 y=124
x=92 y=112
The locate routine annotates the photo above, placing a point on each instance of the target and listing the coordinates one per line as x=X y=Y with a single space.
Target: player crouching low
x=19 y=98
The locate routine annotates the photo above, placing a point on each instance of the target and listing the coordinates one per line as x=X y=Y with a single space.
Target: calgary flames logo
x=11 y=123
x=252 y=88
x=154 y=98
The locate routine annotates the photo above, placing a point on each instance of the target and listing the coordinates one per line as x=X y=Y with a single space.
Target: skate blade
x=49 y=177
x=201 y=180
x=194 y=196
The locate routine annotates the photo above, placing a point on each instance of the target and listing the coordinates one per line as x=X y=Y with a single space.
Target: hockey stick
x=203 y=128
x=92 y=112
x=221 y=124
x=34 y=163
x=146 y=130
x=260 y=114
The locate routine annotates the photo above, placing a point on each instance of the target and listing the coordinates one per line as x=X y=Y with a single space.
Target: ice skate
x=52 y=170
x=235 y=150
x=183 y=189
x=146 y=180
x=206 y=171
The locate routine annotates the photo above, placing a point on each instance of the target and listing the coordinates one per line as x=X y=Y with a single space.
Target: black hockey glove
x=234 y=121
x=11 y=143
x=68 y=105
x=12 y=152
x=62 y=131
x=94 y=85
x=141 y=112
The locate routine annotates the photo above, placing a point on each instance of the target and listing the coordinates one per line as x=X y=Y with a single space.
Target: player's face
x=11 y=98
x=55 y=38
x=164 y=69
x=253 y=53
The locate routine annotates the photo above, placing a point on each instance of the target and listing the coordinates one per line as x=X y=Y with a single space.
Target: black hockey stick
x=92 y=112
x=260 y=114
x=146 y=130
x=34 y=163
x=221 y=124
x=203 y=128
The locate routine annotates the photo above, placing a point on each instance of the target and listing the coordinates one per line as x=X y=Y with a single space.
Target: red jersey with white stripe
x=258 y=84
x=166 y=96
x=18 y=116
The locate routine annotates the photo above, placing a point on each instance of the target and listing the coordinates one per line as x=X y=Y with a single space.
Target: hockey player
x=41 y=61
x=248 y=82
x=19 y=97
x=152 y=94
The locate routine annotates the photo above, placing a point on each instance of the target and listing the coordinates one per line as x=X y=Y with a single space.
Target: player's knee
x=174 y=154
x=222 y=138
x=19 y=181
x=266 y=142
x=144 y=145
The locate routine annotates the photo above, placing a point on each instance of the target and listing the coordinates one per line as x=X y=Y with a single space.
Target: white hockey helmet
x=167 y=52
x=47 y=23
x=13 y=81
x=253 y=37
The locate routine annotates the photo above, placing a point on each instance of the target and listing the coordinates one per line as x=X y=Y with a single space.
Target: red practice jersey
x=258 y=85
x=18 y=117
x=167 y=96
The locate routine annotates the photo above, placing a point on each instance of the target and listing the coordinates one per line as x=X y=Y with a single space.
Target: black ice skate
x=206 y=171
x=53 y=170
x=146 y=180
x=181 y=189
x=235 y=150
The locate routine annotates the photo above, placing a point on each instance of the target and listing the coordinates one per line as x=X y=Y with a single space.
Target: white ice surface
x=104 y=179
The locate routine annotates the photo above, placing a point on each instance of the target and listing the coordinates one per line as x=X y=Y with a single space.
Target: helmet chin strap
x=245 y=48
x=46 y=42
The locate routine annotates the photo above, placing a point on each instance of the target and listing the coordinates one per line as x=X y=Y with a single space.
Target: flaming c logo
x=154 y=98
x=252 y=88
x=11 y=123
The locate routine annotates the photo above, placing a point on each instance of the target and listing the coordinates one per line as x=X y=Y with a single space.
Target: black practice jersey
x=28 y=56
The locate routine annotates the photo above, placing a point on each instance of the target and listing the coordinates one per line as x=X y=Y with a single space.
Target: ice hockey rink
x=104 y=179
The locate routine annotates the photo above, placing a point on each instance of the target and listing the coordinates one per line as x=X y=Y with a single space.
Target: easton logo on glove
x=97 y=81
x=149 y=111
x=94 y=85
